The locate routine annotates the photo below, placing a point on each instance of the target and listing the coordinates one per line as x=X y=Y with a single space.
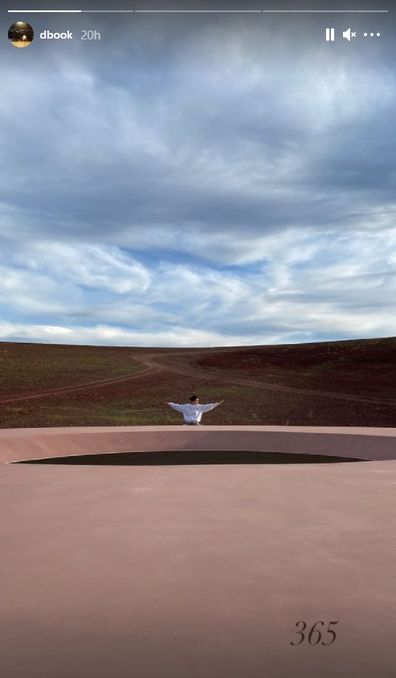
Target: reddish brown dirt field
x=346 y=383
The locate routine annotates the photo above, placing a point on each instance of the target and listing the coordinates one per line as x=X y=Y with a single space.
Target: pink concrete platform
x=352 y=442
x=196 y=571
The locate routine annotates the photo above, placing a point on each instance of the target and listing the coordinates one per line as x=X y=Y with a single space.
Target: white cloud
x=105 y=335
x=306 y=286
x=215 y=189
x=94 y=266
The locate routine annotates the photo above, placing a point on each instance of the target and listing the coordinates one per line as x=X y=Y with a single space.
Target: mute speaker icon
x=347 y=34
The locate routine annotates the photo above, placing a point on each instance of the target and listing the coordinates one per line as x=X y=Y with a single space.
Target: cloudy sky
x=193 y=181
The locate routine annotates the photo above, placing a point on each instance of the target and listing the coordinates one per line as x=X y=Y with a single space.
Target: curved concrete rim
x=362 y=443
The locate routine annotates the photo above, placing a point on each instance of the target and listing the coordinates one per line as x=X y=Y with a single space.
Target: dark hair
x=193 y=397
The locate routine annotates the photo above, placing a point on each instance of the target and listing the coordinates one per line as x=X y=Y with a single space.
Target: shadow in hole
x=192 y=457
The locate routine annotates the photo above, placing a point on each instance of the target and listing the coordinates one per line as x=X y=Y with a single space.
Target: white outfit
x=192 y=414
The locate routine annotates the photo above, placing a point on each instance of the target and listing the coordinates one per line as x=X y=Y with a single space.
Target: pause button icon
x=330 y=34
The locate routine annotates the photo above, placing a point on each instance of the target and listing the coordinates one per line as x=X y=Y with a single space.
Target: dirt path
x=266 y=386
x=149 y=367
x=110 y=381
x=157 y=365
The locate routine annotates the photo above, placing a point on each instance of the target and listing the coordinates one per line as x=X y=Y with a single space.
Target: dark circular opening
x=192 y=457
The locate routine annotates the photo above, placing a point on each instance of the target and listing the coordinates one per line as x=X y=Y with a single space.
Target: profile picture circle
x=21 y=34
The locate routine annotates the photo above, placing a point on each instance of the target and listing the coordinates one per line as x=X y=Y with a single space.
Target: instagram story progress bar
x=198 y=11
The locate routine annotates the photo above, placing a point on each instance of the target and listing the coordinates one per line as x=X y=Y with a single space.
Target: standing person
x=192 y=412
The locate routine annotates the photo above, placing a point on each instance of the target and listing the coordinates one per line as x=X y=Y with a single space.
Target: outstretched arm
x=175 y=406
x=210 y=406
